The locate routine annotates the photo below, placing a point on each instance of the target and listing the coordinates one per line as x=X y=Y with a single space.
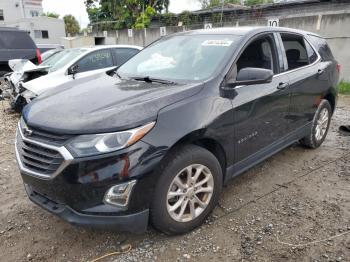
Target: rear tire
x=320 y=126
x=182 y=202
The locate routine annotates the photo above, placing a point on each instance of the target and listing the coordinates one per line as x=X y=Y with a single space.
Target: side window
x=124 y=54
x=296 y=52
x=322 y=47
x=310 y=52
x=258 y=54
x=16 y=40
x=96 y=60
x=2 y=15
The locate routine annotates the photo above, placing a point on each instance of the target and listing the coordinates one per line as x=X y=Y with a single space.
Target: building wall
x=32 y=8
x=12 y=11
x=72 y=42
x=55 y=27
x=335 y=27
x=26 y=15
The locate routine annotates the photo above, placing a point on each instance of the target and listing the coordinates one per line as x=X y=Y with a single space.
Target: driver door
x=260 y=110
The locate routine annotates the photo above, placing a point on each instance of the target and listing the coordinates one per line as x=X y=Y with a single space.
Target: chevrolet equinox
x=155 y=140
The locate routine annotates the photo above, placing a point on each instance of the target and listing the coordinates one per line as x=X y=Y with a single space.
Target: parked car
x=47 y=47
x=156 y=140
x=16 y=44
x=47 y=54
x=77 y=64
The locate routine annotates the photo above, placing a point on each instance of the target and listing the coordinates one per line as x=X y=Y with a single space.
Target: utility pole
x=222 y=11
x=143 y=14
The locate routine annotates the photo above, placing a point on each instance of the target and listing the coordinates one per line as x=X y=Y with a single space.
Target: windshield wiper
x=148 y=79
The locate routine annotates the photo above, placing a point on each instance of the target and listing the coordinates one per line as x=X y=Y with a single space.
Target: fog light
x=119 y=195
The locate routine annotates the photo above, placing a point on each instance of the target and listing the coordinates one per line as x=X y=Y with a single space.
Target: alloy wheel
x=322 y=124
x=190 y=193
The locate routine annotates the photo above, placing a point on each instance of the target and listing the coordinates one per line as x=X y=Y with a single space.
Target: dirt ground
x=293 y=207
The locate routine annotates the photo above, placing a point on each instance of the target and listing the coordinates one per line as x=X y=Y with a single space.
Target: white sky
x=77 y=8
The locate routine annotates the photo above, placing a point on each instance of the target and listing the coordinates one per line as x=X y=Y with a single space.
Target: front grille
x=37 y=158
x=45 y=137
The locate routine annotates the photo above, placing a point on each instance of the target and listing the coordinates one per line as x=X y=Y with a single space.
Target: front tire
x=320 y=126
x=187 y=191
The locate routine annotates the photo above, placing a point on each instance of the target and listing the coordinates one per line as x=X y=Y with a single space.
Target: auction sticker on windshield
x=217 y=42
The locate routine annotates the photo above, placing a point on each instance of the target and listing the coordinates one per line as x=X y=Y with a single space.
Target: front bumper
x=76 y=190
x=136 y=223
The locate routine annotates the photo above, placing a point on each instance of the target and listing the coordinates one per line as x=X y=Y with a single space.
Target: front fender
x=201 y=116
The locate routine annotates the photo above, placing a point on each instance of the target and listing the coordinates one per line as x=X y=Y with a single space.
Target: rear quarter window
x=16 y=40
x=322 y=47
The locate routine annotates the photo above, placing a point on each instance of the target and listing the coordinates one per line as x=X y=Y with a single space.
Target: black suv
x=16 y=44
x=157 y=139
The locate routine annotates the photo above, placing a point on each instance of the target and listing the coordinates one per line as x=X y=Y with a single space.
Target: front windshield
x=61 y=59
x=185 y=57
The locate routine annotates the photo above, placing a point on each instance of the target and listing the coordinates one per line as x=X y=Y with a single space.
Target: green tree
x=257 y=2
x=71 y=24
x=211 y=3
x=124 y=13
x=144 y=19
x=51 y=14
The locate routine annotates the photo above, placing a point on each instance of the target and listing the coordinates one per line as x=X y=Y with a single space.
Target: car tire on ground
x=320 y=126
x=181 y=202
x=2 y=73
x=2 y=81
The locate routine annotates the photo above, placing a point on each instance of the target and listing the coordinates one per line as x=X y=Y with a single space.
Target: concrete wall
x=72 y=42
x=335 y=26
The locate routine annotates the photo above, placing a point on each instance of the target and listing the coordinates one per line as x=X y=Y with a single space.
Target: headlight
x=28 y=95
x=87 y=145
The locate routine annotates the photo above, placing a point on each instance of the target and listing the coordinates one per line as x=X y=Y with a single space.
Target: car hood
x=55 y=80
x=24 y=66
x=105 y=104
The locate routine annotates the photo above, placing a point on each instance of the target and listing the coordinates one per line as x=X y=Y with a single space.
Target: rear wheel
x=320 y=126
x=187 y=191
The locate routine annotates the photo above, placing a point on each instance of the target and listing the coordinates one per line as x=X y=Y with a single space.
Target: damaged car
x=78 y=64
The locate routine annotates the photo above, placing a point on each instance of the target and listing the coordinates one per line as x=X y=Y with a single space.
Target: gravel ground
x=293 y=207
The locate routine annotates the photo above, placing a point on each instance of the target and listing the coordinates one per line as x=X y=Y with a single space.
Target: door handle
x=282 y=86
x=320 y=71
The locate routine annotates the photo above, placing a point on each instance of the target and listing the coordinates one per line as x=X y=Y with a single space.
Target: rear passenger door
x=260 y=110
x=121 y=55
x=306 y=78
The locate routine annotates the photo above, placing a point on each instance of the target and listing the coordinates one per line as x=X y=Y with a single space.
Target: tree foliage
x=124 y=13
x=71 y=24
x=51 y=14
x=212 y=3
x=257 y=2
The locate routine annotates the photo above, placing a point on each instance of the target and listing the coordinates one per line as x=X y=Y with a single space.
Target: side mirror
x=73 y=70
x=252 y=76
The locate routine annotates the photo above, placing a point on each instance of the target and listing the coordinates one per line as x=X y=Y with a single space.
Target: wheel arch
x=198 y=138
x=331 y=98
